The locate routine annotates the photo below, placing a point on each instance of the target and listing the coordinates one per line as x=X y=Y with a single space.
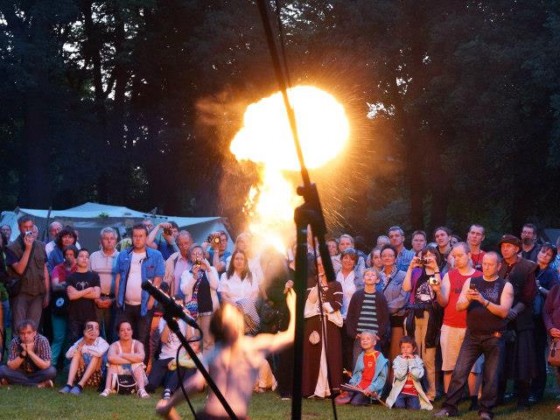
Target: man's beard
x=527 y=241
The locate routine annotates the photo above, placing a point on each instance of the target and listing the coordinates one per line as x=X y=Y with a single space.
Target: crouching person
x=86 y=357
x=29 y=362
x=164 y=367
x=370 y=374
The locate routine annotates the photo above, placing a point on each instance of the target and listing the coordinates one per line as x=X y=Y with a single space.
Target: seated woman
x=164 y=368
x=126 y=357
x=86 y=357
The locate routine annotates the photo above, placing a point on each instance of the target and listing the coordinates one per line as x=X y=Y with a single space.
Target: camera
x=167 y=231
x=197 y=262
x=472 y=286
x=433 y=281
x=423 y=261
x=214 y=238
x=28 y=233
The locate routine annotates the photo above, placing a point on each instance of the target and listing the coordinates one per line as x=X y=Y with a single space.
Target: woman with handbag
x=322 y=349
x=200 y=287
x=126 y=358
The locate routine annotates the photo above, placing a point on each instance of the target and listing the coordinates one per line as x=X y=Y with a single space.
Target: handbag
x=554 y=352
x=124 y=384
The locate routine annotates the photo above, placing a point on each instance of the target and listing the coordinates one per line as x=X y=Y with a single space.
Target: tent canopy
x=90 y=218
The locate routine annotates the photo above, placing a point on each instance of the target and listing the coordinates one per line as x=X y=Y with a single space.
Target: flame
x=266 y=139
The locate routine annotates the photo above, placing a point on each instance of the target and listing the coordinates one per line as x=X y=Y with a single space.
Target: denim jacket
x=152 y=266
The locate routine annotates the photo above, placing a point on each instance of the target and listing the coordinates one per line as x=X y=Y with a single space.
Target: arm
x=117 y=284
x=40 y=363
x=47 y=286
x=20 y=266
x=400 y=368
x=416 y=367
x=137 y=355
x=442 y=291
x=463 y=302
x=150 y=241
x=186 y=286
x=548 y=310
x=99 y=349
x=212 y=276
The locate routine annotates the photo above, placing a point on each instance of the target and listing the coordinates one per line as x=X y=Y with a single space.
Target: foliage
x=135 y=101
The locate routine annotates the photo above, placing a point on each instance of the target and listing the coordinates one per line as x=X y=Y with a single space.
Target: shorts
x=451 y=340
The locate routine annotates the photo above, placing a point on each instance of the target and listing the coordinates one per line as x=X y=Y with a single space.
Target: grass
x=31 y=403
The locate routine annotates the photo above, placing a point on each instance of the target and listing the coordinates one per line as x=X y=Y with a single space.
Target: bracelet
x=487 y=303
x=436 y=272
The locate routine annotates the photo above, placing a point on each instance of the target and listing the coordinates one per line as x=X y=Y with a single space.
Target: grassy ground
x=30 y=403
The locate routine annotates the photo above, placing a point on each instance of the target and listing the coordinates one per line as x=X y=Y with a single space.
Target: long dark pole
x=308 y=214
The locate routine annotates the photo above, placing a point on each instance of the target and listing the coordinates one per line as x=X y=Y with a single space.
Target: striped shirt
x=368 y=315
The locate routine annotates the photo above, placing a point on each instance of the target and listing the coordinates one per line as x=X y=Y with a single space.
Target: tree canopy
x=454 y=106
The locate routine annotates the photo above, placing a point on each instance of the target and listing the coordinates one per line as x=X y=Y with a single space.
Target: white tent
x=90 y=218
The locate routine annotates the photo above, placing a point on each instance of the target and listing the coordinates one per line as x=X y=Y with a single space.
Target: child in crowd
x=408 y=369
x=370 y=374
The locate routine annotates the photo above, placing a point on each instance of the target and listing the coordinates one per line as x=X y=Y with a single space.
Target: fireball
x=266 y=139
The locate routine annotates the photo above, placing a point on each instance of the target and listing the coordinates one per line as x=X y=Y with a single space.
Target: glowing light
x=266 y=139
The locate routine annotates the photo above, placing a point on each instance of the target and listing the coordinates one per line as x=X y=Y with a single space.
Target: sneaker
x=76 y=390
x=46 y=384
x=105 y=393
x=65 y=390
x=483 y=415
x=166 y=394
x=444 y=412
x=143 y=394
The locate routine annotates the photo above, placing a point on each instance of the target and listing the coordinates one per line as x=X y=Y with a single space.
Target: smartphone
x=472 y=286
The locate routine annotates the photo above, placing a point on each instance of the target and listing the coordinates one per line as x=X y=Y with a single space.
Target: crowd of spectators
x=407 y=325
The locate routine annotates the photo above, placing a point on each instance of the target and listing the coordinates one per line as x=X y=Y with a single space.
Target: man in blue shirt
x=135 y=266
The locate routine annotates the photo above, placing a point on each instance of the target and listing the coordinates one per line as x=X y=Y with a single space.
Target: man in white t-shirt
x=135 y=266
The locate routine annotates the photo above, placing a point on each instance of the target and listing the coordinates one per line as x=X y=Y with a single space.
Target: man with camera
x=487 y=300
x=404 y=256
x=28 y=267
x=29 y=362
x=165 y=243
x=217 y=251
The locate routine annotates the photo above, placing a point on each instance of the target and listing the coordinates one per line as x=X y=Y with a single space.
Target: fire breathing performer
x=233 y=363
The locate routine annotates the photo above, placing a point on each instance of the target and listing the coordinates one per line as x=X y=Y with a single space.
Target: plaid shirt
x=41 y=348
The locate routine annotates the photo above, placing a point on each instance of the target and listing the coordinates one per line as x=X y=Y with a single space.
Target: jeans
x=17 y=376
x=59 y=344
x=106 y=318
x=473 y=346
x=412 y=402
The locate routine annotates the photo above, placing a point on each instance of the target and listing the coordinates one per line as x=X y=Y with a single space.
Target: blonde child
x=370 y=373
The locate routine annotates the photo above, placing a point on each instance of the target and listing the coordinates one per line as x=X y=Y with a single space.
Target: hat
x=510 y=239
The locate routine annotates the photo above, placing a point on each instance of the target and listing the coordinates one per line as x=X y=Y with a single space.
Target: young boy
x=370 y=373
x=408 y=368
x=233 y=363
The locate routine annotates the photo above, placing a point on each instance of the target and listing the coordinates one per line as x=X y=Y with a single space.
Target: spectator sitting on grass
x=29 y=362
x=370 y=373
x=86 y=357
